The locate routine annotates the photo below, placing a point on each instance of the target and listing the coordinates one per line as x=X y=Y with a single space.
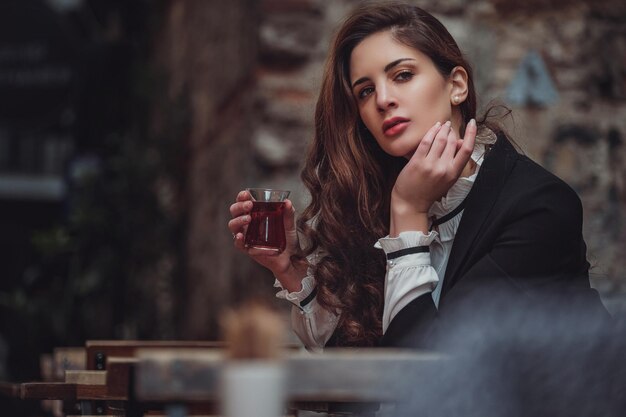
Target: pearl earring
x=456 y=99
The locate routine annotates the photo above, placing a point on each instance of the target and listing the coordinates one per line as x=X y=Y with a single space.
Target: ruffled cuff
x=405 y=240
x=300 y=298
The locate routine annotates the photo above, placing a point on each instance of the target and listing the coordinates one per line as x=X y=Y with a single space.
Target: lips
x=394 y=125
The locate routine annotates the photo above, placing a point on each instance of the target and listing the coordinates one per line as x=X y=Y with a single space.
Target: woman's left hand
x=435 y=166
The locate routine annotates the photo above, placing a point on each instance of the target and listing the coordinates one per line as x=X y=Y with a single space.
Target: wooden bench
x=97 y=351
x=9 y=390
x=95 y=379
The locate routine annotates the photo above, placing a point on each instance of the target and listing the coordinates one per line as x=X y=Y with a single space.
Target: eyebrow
x=388 y=67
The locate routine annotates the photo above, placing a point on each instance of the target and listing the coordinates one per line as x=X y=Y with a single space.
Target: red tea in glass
x=266 y=230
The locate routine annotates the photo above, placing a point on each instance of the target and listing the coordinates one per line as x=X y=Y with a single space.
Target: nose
x=385 y=98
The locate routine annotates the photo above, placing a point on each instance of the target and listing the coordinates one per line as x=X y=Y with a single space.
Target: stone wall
x=208 y=51
x=579 y=136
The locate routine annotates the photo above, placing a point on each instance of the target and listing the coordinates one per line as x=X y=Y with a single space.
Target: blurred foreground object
x=253 y=381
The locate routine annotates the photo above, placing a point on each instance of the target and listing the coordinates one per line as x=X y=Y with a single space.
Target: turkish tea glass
x=266 y=230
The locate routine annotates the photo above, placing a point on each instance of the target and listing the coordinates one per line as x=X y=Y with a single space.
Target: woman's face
x=399 y=92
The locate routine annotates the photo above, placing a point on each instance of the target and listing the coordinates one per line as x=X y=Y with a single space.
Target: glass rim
x=275 y=190
x=269 y=195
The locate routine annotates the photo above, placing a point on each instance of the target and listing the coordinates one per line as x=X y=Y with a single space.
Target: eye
x=404 y=76
x=365 y=92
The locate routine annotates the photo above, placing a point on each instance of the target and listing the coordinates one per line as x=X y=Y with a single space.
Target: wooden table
x=183 y=378
x=337 y=380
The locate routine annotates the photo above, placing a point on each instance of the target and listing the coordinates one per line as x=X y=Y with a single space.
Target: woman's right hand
x=289 y=275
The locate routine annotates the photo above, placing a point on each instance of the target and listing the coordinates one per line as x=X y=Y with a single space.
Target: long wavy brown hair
x=350 y=177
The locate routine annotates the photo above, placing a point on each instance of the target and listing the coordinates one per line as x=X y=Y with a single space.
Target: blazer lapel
x=492 y=176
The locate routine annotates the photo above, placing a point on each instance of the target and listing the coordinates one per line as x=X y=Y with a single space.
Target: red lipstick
x=395 y=125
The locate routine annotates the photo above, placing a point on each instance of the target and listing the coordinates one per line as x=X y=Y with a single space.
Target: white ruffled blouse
x=407 y=277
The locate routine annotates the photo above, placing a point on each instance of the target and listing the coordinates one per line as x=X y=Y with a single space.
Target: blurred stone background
x=577 y=131
x=128 y=127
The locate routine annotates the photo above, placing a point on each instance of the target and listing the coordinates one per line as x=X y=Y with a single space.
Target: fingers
x=238 y=224
x=466 y=149
x=435 y=141
x=450 y=148
x=289 y=216
x=424 y=146
x=470 y=132
x=440 y=141
x=238 y=240
x=244 y=196
x=242 y=205
x=240 y=218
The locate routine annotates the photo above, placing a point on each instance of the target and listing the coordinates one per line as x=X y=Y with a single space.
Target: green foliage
x=95 y=274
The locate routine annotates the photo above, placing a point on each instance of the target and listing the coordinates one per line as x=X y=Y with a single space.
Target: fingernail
x=246 y=218
x=448 y=123
x=437 y=124
x=472 y=122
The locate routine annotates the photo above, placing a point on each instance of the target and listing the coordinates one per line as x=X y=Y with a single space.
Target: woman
x=415 y=207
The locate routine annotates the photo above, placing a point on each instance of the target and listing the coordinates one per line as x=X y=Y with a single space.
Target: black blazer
x=519 y=241
x=527 y=334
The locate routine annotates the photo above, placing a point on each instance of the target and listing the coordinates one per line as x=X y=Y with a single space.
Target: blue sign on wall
x=532 y=84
